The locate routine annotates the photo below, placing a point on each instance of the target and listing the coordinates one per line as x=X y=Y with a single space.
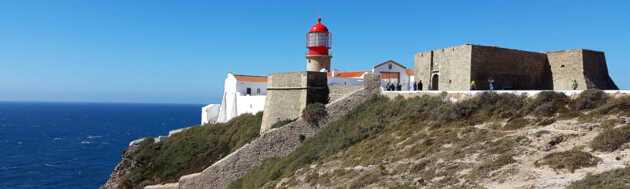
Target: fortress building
x=460 y=68
x=477 y=67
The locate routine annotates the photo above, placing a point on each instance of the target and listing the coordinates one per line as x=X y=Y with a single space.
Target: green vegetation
x=281 y=123
x=611 y=139
x=380 y=115
x=615 y=105
x=382 y=126
x=488 y=166
x=360 y=123
x=548 y=103
x=189 y=151
x=570 y=160
x=589 y=99
x=615 y=179
x=313 y=113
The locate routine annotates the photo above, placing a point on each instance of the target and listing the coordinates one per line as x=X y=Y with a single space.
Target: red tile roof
x=409 y=72
x=353 y=74
x=251 y=78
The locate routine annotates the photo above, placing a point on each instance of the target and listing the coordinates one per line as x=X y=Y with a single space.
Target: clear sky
x=181 y=51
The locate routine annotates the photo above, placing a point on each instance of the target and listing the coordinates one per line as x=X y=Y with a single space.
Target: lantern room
x=318 y=39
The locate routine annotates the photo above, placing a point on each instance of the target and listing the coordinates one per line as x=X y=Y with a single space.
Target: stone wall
x=567 y=66
x=422 y=70
x=509 y=68
x=452 y=65
x=587 y=68
x=289 y=93
x=339 y=91
x=596 y=70
x=277 y=142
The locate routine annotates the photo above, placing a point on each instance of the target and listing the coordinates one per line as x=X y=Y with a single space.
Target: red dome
x=319 y=27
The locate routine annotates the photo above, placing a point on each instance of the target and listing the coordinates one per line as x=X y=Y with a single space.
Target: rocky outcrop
x=277 y=142
x=123 y=167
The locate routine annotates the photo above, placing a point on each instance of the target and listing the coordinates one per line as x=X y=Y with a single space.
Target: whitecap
x=86 y=142
x=51 y=165
x=57 y=138
x=94 y=136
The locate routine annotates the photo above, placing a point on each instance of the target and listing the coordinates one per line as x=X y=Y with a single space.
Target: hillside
x=189 y=151
x=489 y=141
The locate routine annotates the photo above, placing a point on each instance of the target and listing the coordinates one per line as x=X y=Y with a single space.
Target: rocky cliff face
x=277 y=142
x=123 y=168
x=487 y=141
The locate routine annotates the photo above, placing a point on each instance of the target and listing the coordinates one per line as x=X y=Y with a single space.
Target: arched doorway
x=434 y=82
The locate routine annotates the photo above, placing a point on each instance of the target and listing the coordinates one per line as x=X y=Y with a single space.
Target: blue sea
x=76 y=145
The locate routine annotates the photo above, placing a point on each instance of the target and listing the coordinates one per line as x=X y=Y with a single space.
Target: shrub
x=362 y=122
x=313 y=113
x=486 y=167
x=548 y=103
x=501 y=105
x=482 y=107
x=516 y=123
x=570 y=160
x=611 y=139
x=618 y=104
x=614 y=179
x=589 y=99
x=281 y=123
x=189 y=151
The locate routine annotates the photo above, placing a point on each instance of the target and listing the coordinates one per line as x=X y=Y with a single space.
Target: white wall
x=250 y=104
x=235 y=100
x=242 y=88
x=209 y=113
x=404 y=78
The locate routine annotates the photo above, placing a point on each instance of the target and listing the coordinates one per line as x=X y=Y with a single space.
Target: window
x=248 y=91
x=258 y=91
x=389 y=66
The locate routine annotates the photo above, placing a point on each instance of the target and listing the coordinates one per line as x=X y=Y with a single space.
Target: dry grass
x=570 y=160
x=611 y=139
x=615 y=179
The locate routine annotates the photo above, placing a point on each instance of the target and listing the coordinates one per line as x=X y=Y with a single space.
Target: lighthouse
x=318 y=42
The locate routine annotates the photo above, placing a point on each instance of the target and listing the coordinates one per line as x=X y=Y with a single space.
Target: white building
x=394 y=73
x=346 y=78
x=242 y=94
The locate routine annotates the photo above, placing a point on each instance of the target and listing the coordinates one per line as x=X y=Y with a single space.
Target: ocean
x=76 y=145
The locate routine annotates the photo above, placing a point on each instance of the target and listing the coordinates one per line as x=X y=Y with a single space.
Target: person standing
x=574 y=85
x=491 y=83
x=473 y=85
x=420 y=85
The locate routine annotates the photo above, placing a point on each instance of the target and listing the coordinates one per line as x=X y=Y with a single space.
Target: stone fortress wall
x=587 y=67
x=455 y=68
x=510 y=69
x=289 y=93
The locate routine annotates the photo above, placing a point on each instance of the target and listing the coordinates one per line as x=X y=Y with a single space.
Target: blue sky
x=180 y=51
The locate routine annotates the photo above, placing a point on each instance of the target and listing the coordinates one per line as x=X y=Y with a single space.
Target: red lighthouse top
x=319 y=27
x=318 y=40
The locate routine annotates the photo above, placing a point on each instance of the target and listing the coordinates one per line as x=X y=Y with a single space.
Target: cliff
x=486 y=141
x=149 y=162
